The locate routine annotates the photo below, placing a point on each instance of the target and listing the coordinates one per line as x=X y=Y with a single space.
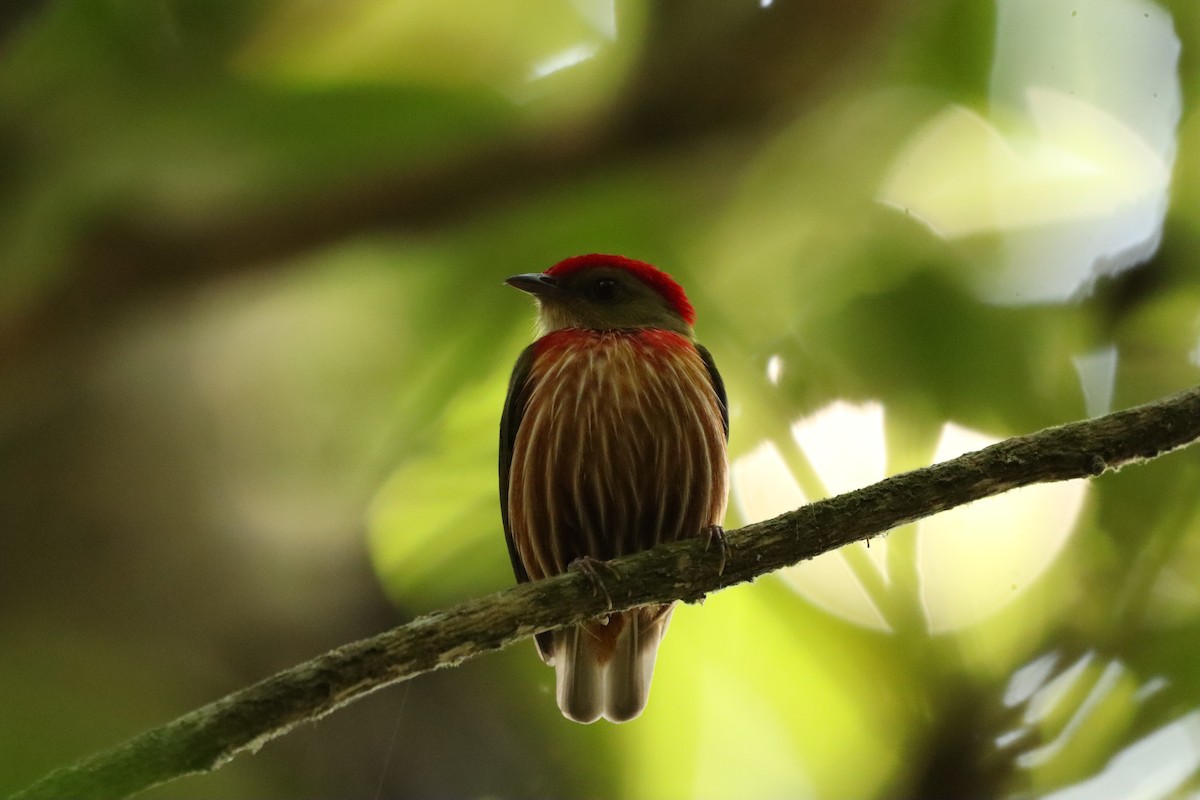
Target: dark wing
x=718 y=384
x=510 y=421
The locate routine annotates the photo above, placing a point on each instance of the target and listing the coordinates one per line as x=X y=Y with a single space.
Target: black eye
x=606 y=290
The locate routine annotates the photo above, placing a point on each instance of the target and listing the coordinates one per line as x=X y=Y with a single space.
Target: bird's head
x=602 y=292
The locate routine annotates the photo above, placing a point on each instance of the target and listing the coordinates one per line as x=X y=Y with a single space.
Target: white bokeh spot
x=971 y=561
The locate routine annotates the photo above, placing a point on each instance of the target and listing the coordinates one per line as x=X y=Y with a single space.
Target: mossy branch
x=206 y=738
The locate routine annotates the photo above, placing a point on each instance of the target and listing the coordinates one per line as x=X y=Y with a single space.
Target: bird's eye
x=605 y=290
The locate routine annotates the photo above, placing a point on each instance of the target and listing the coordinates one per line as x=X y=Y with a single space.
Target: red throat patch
x=648 y=274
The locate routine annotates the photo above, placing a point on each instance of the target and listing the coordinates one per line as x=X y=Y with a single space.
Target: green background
x=254 y=341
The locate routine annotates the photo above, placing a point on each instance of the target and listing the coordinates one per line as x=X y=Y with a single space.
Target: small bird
x=612 y=440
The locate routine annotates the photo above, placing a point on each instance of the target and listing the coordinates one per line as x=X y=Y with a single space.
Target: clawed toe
x=591 y=568
x=715 y=537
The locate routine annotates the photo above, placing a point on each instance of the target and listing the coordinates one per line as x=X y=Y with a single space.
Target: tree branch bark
x=208 y=737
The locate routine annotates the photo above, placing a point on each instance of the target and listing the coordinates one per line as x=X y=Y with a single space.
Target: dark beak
x=536 y=283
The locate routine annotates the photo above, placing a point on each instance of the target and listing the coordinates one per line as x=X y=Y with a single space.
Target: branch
x=212 y=735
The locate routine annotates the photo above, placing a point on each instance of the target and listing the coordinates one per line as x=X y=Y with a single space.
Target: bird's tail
x=603 y=668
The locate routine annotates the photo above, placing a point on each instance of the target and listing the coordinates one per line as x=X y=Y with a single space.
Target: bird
x=613 y=439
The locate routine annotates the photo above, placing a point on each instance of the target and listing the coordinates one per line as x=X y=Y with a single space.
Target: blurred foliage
x=254 y=342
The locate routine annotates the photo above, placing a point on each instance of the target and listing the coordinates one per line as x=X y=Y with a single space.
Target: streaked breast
x=621 y=447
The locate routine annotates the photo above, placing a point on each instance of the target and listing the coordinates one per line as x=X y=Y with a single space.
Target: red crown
x=648 y=274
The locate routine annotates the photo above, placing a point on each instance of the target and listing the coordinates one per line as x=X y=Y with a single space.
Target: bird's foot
x=591 y=568
x=714 y=536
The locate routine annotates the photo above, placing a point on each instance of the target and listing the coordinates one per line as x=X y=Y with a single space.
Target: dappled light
x=1070 y=712
x=1158 y=765
x=763 y=487
x=1071 y=165
x=255 y=341
x=968 y=562
x=975 y=559
x=1098 y=378
x=1078 y=162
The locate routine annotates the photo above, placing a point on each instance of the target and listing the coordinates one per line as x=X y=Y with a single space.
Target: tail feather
x=580 y=677
x=603 y=669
